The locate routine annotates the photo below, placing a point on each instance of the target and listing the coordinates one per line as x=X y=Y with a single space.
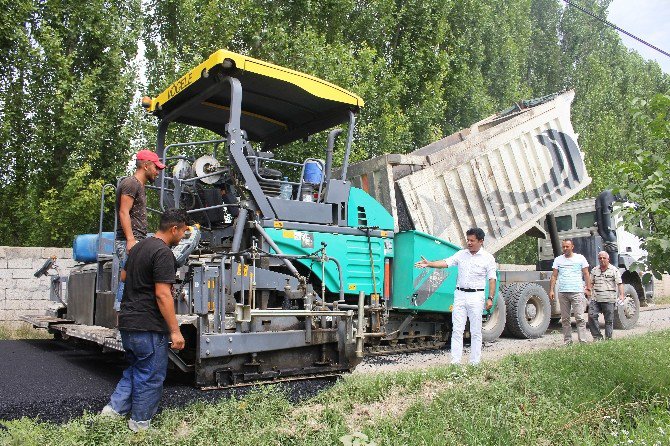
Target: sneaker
x=137 y=426
x=107 y=411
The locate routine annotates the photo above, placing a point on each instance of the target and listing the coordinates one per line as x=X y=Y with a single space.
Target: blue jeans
x=120 y=247
x=141 y=387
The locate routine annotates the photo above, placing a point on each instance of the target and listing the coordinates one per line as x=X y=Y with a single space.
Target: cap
x=148 y=155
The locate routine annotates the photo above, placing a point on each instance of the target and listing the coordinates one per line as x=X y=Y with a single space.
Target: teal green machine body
x=423 y=289
x=352 y=251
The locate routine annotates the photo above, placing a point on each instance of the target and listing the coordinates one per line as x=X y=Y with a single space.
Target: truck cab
x=578 y=221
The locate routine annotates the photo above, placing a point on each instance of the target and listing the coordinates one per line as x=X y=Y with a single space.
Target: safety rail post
x=360 y=335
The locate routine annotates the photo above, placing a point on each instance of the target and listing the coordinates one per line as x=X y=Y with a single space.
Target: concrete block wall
x=662 y=287
x=22 y=293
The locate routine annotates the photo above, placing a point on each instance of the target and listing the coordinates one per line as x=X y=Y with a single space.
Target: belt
x=469 y=290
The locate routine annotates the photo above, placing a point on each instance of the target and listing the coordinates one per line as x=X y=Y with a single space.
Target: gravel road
x=652 y=318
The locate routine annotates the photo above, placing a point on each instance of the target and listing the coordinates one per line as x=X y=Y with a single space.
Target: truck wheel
x=493 y=327
x=626 y=315
x=528 y=310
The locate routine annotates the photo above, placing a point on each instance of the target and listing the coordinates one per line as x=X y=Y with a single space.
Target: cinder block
x=19 y=263
x=17 y=304
x=17 y=295
x=25 y=273
x=59 y=253
x=29 y=285
x=5 y=273
x=67 y=253
x=23 y=253
x=3 y=262
x=3 y=253
x=7 y=284
x=66 y=263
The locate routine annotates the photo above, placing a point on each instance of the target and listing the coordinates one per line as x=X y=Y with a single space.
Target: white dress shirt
x=474 y=270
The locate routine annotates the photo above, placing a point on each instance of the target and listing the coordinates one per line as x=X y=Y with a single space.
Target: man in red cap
x=131 y=208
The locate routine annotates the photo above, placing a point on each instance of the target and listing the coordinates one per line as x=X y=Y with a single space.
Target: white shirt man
x=476 y=266
x=572 y=272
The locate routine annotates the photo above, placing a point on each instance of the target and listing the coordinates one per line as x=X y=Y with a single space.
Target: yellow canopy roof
x=279 y=105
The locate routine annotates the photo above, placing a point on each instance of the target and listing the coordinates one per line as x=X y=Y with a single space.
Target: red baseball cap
x=148 y=155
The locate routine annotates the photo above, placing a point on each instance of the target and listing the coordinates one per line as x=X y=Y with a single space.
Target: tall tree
x=645 y=184
x=66 y=88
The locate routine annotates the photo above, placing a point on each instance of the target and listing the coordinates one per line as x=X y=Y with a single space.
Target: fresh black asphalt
x=57 y=381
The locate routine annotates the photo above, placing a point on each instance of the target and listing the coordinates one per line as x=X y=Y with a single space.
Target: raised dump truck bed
x=502 y=174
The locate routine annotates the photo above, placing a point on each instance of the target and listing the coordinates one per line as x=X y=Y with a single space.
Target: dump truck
x=297 y=268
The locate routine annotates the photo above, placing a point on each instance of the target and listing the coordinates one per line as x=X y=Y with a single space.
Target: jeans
x=140 y=389
x=467 y=305
x=606 y=308
x=573 y=302
x=120 y=247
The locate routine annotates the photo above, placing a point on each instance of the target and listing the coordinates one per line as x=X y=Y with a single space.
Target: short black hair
x=477 y=232
x=172 y=217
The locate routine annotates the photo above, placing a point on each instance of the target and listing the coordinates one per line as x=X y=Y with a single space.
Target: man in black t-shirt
x=147 y=322
x=131 y=208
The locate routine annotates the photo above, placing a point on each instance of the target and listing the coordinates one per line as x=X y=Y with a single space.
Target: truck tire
x=494 y=326
x=626 y=315
x=528 y=310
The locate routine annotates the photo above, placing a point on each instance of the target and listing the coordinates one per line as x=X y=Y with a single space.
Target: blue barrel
x=313 y=173
x=85 y=246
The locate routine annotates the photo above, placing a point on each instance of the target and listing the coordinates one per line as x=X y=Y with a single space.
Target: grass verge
x=22 y=330
x=615 y=392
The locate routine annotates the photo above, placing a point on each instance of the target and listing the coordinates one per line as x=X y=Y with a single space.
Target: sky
x=648 y=20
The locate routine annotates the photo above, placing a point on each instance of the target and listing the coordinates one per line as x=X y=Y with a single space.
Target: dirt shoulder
x=652 y=318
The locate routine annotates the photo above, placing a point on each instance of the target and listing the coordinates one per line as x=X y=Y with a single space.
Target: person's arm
x=619 y=285
x=492 y=292
x=587 y=281
x=125 y=204
x=552 y=283
x=166 y=306
x=424 y=263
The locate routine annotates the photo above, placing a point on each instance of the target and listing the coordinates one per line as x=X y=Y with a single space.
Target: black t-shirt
x=132 y=187
x=149 y=262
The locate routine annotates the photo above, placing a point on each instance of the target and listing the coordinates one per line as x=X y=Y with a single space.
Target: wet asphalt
x=56 y=381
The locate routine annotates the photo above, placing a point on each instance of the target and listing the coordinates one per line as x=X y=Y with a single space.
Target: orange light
x=146 y=102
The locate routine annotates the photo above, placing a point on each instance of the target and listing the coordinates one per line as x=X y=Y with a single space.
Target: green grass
x=22 y=331
x=607 y=393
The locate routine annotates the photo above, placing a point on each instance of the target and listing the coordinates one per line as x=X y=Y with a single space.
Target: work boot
x=137 y=426
x=107 y=411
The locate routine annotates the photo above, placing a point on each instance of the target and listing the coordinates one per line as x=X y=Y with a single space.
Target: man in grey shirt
x=131 y=208
x=605 y=280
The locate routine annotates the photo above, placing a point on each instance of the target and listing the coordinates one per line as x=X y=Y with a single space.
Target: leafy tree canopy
x=645 y=184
